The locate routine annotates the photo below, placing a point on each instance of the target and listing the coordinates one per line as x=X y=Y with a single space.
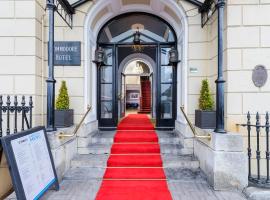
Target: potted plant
x=205 y=117
x=63 y=115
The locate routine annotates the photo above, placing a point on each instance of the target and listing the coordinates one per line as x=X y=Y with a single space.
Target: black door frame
x=108 y=123
x=168 y=123
x=111 y=123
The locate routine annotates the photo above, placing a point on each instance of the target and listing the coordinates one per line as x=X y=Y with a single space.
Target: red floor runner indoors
x=134 y=168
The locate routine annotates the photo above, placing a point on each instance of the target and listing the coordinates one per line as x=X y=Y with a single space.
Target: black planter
x=64 y=118
x=205 y=119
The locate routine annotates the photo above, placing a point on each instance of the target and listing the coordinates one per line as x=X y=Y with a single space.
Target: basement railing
x=14 y=111
x=261 y=132
x=63 y=135
x=15 y=116
x=196 y=135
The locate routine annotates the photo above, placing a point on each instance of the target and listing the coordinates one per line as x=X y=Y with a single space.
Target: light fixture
x=137 y=47
x=173 y=56
x=99 y=56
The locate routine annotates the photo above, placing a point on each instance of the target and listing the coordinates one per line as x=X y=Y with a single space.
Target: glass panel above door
x=122 y=29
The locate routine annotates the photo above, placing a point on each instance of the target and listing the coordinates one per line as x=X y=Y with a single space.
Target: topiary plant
x=206 y=101
x=62 y=101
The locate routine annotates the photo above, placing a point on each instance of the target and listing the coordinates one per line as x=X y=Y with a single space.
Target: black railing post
x=220 y=81
x=51 y=81
x=249 y=145
x=31 y=110
x=23 y=110
x=258 y=153
x=267 y=146
x=258 y=179
x=15 y=113
x=8 y=115
x=1 y=116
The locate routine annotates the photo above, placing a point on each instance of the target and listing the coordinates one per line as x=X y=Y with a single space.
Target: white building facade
x=24 y=56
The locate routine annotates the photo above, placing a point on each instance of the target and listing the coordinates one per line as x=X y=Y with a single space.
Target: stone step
x=106 y=137
x=96 y=148
x=169 y=161
x=172 y=174
x=180 y=161
x=84 y=173
x=100 y=148
x=90 y=160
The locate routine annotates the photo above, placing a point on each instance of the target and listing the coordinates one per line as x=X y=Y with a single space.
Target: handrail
x=62 y=135
x=192 y=127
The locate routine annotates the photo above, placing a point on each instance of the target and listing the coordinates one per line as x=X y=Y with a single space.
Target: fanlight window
x=123 y=28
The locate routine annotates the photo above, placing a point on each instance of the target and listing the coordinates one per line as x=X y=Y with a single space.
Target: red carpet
x=134 y=161
x=134 y=169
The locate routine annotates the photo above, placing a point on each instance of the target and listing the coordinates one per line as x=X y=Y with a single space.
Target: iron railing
x=15 y=111
x=208 y=137
x=63 y=135
x=261 y=130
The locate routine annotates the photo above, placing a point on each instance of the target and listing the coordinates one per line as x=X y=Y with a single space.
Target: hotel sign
x=67 y=53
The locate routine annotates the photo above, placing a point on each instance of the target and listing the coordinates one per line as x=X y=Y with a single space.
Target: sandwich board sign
x=30 y=162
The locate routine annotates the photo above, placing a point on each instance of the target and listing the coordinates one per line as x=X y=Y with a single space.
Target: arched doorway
x=121 y=37
x=136 y=90
x=147 y=60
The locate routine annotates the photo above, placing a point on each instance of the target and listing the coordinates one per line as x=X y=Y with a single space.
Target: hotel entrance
x=148 y=42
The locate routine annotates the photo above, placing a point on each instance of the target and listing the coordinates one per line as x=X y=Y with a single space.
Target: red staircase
x=145 y=99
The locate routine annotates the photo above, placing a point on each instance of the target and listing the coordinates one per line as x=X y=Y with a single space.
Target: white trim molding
x=179 y=22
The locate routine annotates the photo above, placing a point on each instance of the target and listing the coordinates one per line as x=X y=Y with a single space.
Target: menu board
x=31 y=164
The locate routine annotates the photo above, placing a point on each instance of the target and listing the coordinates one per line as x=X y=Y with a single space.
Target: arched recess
x=148 y=61
x=102 y=11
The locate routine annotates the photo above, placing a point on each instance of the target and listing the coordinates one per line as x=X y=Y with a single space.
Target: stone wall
x=248 y=45
x=21 y=51
x=23 y=56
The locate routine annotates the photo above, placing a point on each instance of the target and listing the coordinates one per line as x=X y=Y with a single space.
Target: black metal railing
x=15 y=111
x=261 y=130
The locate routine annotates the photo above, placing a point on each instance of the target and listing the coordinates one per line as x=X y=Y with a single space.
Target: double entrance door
x=111 y=84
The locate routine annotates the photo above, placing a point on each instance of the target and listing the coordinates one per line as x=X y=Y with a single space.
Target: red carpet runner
x=134 y=169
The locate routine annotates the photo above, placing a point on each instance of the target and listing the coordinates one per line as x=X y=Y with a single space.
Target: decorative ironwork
x=257 y=179
x=10 y=111
x=64 y=9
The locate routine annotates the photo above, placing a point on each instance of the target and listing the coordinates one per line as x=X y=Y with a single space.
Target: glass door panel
x=123 y=96
x=166 y=90
x=106 y=94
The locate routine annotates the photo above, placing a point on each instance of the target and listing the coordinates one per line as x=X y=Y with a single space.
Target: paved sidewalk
x=191 y=186
x=184 y=185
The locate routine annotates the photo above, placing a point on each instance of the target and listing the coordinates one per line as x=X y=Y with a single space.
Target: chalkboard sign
x=30 y=161
x=67 y=53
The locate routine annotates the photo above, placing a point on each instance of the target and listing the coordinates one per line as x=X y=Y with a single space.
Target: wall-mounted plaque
x=30 y=163
x=67 y=53
x=259 y=76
